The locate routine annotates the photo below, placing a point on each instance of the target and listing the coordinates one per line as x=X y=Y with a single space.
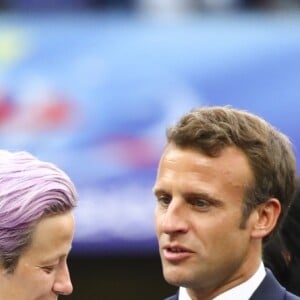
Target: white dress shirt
x=241 y=292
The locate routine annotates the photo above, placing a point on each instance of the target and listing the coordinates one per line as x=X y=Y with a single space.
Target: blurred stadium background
x=92 y=85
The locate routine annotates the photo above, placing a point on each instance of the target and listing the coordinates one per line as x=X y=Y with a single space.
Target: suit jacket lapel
x=269 y=289
x=174 y=297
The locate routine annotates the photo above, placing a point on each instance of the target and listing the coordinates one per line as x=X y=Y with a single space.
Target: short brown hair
x=269 y=152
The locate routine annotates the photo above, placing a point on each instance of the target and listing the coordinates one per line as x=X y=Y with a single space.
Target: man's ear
x=266 y=218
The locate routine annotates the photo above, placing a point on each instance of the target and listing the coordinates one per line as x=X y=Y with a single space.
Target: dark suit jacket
x=269 y=289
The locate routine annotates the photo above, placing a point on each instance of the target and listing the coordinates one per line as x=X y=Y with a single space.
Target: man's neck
x=247 y=285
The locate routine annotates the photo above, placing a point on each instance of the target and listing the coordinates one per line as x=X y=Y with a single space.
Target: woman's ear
x=267 y=215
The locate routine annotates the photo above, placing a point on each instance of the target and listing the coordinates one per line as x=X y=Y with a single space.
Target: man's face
x=198 y=216
x=42 y=272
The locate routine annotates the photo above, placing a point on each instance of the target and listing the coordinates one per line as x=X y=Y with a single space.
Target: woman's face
x=42 y=272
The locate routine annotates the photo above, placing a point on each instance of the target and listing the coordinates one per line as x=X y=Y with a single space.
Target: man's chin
x=175 y=276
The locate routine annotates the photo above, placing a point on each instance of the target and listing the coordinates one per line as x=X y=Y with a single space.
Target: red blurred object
x=7 y=107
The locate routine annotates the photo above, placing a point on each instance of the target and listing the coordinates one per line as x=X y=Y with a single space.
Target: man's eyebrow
x=159 y=191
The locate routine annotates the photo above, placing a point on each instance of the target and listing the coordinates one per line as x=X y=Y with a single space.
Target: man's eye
x=164 y=200
x=200 y=203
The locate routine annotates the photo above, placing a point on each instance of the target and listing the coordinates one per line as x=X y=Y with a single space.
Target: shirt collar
x=241 y=292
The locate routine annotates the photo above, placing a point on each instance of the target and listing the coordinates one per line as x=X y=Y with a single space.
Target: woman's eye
x=48 y=269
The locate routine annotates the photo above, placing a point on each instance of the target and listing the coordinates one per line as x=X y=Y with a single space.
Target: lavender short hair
x=30 y=189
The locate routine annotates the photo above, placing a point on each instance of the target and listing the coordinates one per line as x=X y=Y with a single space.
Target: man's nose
x=175 y=218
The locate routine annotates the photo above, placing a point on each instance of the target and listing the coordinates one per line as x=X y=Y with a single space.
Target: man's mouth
x=176 y=253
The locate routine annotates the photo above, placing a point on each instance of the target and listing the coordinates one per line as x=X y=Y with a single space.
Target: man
x=36 y=228
x=224 y=182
